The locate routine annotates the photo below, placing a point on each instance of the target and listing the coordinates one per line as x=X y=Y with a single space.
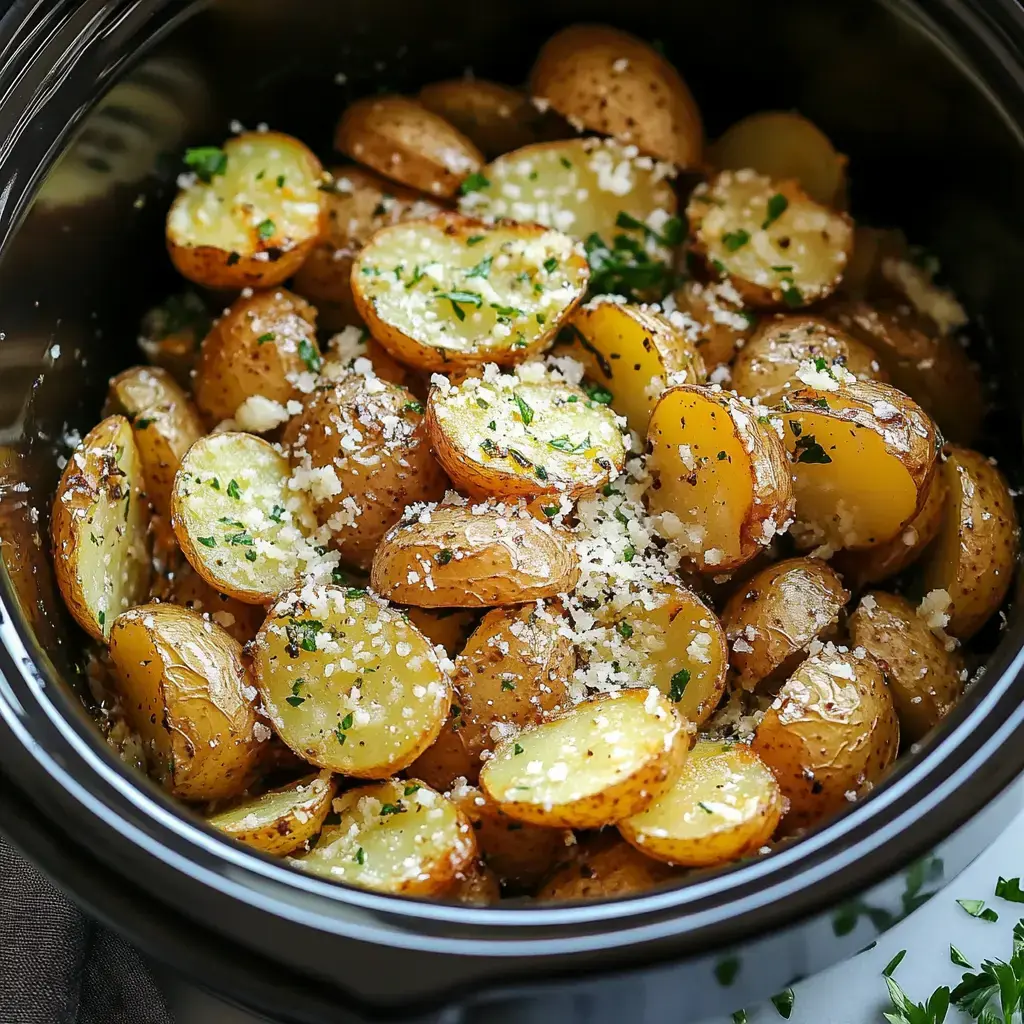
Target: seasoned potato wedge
x=237 y=522
x=604 y=760
x=830 y=734
x=397 y=836
x=448 y=627
x=360 y=446
x=170 y=333
x=456 y=556
x=925 y=677
x=773 y=618
x=189 y=590
x=782 y=145
x=724 y=805
x=722 y=323
x=773 y=242
x=523 y=435
x=164 y=424
x=186 y=692
x=358 y=203
x=975 y=552
x=431 y=294
x=282 y=820
x=349 y=684
x=632 y=352
x=251 y=215
x=863 y=455
x=98 y=528
x=251 y=363
x=721 y=479
x=613 y=83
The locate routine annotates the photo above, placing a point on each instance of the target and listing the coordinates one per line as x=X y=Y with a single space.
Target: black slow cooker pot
x=928 y=100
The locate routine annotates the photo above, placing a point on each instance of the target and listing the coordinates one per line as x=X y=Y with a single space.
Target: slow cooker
x=99 y=97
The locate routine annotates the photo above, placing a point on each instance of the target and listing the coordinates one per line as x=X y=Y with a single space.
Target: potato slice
x=721 y=481
x=782 y=145
x=251 y=364
x=164 y=425
x=170 y=333
x=774 y=617
x=722 y=323
x=602 y=761
x=975 y=553
x=398 y=836
x=863 y=454
x=925 y=677
x=189 y=590
x=461 y=556
x=349 y=684
x=724 y=805
x=830 y=734
x=773 y=242
x=523 y=434
x=614 y=83
x=282 y=820
x=359 y=447
x=404 y=141
x=186 y=692
x=252 y=212
x=237 y=522
x=631 y=353
x=98 y=528
x=450 y=291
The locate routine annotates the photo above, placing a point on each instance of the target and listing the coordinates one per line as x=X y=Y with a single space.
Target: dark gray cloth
x=59 y=967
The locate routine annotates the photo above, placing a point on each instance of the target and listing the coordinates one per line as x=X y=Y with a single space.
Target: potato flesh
x=348 y=683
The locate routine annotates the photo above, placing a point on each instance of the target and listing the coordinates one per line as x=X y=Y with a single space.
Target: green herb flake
x=956 y=957
x=251 y=556
x=977 y=908
x=565 y=162
x=444 y=556
x=264 y=338
x=524 y=410
x=734 y=240
x=387 y=809
x=550 y=510
x=551 y=264
x=678 y=685
x=207 y=542
x=101 y=618
x=302 y=633
x=460 y=298
x=777 y=206
x=507 y=685
x=360 y=857
x=625 y=630
x=740 y=1017
x=232 y=490
x=597 y=393
x=206 y=162
x=726 y=971
x=1009 y=889
x=310 y=355
x=275 y=513
x=482 y=269
x=791 y=295
x=783 y=1003
x=516 y=749
x=412 y=788
x=808 y=451
x=413 y=406
x=265 y=229
x=475 y=239
x=891 y=966
x=473 y=183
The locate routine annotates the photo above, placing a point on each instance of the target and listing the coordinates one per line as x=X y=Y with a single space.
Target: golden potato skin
x=777 y=614
x=449 y=627
x=189 y=590
x=187 y=692
x=446 y=760
x=925 y=678
x=723 y=325
x=611 y=82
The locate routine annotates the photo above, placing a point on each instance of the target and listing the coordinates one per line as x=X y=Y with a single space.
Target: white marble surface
x=850 y=993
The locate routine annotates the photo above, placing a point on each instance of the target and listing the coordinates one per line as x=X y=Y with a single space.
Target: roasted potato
x=974 y=555
x=863 y=455
x=281 y=820
x=347 y=347
x=170 y=333
x=480 y=556
x=403 y=140
x=774 y=617
x=186 y=692
x=911 y=276
x=606 y=80
x=714 y=311
x=398 y=836
x=863 y=277
x=98 y=528
x=431 y=294
x=830 y=734
x=449 y=628
x=238 y=523
x=721 y=482
x=446 y=762
x=252 y=363
x=925 y=676
x=185 y=587
x=523 y=435
x=725 y=804
x=476 y=886
x=603 y=760
x=349 y=684
x=251 y=214
x=777 y=246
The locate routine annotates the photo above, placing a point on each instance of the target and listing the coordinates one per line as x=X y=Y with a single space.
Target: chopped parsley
x=678 y=685
x=387 y=809
x=460 y=298
x=791 y=295
x=412 y=788
x=265 y=229
x=1009 y=889
x=206 y=162
x=783 y=1002
x=444 y=556
x=597 y=393
x=977 y=908
x=413 y=406
x=624 y=267
x=473 y=183
x=808 y=451
x=734 y=240
x=264 y=338
x=524 y=410
x=516 y=749
x=302 y=633
x=251 y=556
x=233 y=491
x=275 y=513
x=507 y=684
x=101 y=617
x=726 y=971
x=777 y=206
x=360 y=857
x=551 y=264
x=310 y=355
x=475 y=239
x=625 y=630
x=628 y=553
x=241 y=537
x=296 y=698
x=482 y=269
x=207 y=542
x=704 y=807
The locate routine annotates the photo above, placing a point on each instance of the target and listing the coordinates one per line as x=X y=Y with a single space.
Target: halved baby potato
x=719 y=319
x=251 y=214
x=725 y=804
x=348 y=346
x=473 y=556
x=721 y=481
x=449 y=628
x=238 y=523
x=446 y=761
x=863 y=454
x=769 y=238
x=281 y=820
x=398 y=836
x=98 y=528
x=523 y=435
x=476 y=886
x=185 y=690
x=187 y=588
x=403 y=140
x=774 y=617
x=604 y=760
x=450 y=292
x=170 y=333
x=349 y=684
